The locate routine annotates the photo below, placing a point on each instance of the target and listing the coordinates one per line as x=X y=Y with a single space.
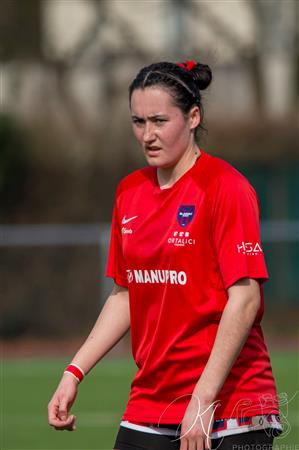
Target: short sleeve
x=116 y=265
x=236 y=231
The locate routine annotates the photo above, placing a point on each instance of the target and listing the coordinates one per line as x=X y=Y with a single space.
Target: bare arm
x=111 y=325
x=235 y=324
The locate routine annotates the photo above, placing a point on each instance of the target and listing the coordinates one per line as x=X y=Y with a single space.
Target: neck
x=167 y=176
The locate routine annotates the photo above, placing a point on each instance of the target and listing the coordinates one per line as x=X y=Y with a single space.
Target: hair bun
x=202 y=75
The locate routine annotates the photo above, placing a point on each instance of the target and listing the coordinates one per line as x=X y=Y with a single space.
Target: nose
x=148 y=134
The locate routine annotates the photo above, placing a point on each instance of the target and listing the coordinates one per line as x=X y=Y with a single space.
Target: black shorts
x=128 y=439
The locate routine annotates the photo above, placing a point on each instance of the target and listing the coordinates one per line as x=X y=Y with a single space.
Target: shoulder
x=230 y=192
x=135 y=180
x=223 y=176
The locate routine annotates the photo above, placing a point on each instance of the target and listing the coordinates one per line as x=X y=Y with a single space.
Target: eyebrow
x=153 y=116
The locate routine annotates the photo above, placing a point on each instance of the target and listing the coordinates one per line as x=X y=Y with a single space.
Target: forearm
x=234 y=327
x=111 y=325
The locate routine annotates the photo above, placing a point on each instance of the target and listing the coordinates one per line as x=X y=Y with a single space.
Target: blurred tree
x=277 y=23
x=57 y=116
x=20 y=30
x=14 y=166
x=273 y=59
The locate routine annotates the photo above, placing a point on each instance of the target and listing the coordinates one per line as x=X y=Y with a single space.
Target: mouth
x=152 y=151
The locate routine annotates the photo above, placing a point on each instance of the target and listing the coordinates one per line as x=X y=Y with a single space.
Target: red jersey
x=178 y=250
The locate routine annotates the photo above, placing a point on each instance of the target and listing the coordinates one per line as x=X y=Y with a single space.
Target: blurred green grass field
x=27 y=385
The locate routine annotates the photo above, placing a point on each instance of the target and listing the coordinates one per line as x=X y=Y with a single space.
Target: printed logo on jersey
x=156 y=276
x=130 y=276
x=249 y=248
x=181 y=239
x=127 y=220
x=185 y=215
x=125 y=230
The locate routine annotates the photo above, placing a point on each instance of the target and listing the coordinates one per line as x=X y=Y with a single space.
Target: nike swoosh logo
x=124 y=220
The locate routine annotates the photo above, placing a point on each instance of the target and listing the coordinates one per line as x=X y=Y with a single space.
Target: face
x=160 y=127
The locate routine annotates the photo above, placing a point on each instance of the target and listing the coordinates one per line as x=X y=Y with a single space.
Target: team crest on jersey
x=185 y=215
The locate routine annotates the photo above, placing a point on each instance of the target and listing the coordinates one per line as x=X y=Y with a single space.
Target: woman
x=188 y=267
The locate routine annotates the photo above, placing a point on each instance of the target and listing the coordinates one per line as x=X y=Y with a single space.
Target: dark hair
x=183 y=81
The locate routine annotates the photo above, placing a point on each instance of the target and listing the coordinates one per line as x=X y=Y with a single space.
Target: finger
x=63 y=412
x=59 y=424
x=200 y=443
x=66 y=428
x=192 y=445
x=208 y=445
x=53 y=417
x=55 y=421
x=52 y=411
x=184 y=444
x=72 y=425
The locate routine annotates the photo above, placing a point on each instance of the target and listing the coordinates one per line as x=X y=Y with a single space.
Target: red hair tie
x=188 y=65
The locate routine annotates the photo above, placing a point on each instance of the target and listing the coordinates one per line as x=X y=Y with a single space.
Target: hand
x=61 y=403
x=197 y=425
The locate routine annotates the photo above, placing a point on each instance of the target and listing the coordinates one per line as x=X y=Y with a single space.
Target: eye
x=159 y=121
x=137 y=121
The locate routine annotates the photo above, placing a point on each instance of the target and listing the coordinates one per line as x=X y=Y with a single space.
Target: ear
x=194 y=117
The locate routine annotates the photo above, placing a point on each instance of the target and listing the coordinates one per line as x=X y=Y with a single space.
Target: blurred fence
x=62 y=236
x=54 y=280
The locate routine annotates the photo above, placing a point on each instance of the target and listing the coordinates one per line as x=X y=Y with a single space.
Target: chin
x=154 y=162
x=158 y=162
